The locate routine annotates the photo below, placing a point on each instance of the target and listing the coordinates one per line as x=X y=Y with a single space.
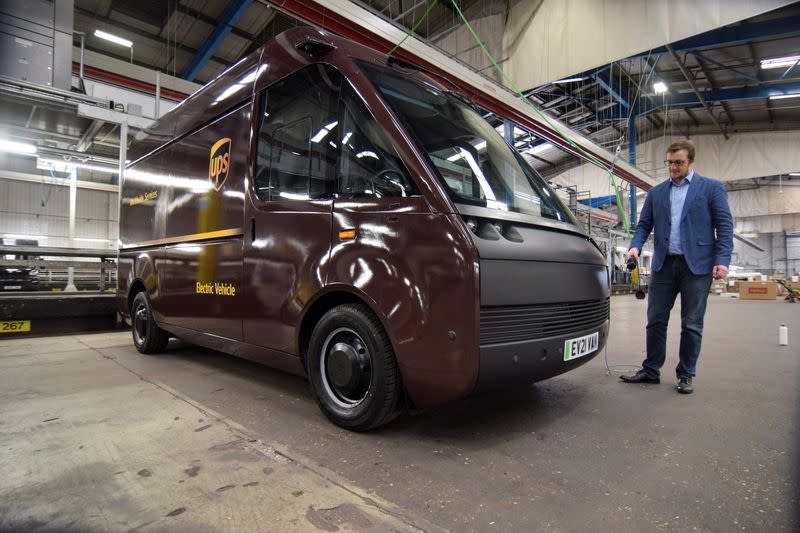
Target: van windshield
x=472 y=158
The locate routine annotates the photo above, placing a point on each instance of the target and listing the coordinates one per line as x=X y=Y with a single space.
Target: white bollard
x=70 y=280
x=783 y=335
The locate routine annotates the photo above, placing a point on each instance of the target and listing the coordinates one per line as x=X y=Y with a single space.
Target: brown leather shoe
x=640 y=377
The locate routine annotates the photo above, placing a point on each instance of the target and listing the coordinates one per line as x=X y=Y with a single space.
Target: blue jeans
x=665 y=285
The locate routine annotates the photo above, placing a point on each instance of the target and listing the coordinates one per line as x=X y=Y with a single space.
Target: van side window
x=369 y=166
x=296 y=156
x=290 y=158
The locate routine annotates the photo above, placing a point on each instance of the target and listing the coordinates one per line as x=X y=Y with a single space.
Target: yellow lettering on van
x=204 y=288
x=152 y=195
x=215 y=288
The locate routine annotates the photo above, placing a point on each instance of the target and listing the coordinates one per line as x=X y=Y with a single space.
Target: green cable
x=412 y=30
x=567 y=138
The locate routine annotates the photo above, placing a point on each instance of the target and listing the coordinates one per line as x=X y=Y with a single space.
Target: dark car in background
x=15 y=275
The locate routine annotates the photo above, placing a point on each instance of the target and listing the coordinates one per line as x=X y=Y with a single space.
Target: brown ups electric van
x=329 y=211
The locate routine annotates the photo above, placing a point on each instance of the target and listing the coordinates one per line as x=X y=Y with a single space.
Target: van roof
x=217 y=96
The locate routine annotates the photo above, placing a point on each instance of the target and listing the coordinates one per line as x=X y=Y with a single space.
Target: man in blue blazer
x=693 y=242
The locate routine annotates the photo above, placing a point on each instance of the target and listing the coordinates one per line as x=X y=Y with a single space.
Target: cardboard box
x=758 y=290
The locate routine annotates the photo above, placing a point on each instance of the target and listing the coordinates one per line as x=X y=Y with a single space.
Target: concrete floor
x=96 y=437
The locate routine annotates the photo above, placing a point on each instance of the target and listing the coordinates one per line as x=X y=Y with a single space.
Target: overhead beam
x=232 y=14
x=734 y=35
x=744 y=75
x=62 y=182
x=712 y=83
x=211 y=22
x=691 y=116
x=753 y=56
x=713 y=96
x=88 y=137
x=602 y=78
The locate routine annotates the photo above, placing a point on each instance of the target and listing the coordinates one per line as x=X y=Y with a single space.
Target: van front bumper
x=524 y=362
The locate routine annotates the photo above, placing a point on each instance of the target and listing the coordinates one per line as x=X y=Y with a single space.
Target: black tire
x=353 y=370
x=147 y=336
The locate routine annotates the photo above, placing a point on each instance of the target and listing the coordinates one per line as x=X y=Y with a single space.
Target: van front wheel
x=147 y=336
x=352 y=369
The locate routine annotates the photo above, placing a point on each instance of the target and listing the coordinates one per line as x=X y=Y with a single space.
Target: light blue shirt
x=677 y=197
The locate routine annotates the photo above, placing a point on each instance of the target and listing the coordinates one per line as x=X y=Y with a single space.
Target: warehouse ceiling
x=721 y=68
x=169 y=35
x=714 y=81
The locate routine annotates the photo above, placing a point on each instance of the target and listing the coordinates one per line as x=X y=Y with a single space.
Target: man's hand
x=720 y=271
x=634 y=253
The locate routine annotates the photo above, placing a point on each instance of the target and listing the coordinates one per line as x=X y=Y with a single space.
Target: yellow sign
x=214 y=288
x=152 y=195
x=219 y=162
x=15 y=326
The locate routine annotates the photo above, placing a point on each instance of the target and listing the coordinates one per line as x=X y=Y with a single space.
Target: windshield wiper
x=463 y=98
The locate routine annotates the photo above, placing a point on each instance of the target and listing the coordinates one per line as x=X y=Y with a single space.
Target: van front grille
x=529 y=322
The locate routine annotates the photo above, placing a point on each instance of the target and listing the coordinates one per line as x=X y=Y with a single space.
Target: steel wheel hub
x=347 y=367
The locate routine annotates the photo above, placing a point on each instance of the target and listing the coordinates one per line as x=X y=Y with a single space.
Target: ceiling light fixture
x=17 y=148
x=569 y=80
x=779 y=62
x=90 y=239
x=660 y=87
x=67 y=166
x=113 y=38
x=782 y=96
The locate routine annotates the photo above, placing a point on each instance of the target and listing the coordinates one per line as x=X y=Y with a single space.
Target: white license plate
x=12 y=287
x=574 y=348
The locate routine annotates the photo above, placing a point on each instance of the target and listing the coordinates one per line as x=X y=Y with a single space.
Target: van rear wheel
x=147 y=336
x=352 y=369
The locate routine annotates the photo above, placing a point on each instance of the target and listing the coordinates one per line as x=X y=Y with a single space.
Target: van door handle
x=253 y=229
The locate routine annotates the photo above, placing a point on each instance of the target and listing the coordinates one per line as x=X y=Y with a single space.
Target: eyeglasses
x=677 y=163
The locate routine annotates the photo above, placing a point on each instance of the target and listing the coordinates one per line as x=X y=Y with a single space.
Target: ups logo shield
x=219 y=163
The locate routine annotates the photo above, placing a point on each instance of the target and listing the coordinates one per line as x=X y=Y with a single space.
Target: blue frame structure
x=232 y=14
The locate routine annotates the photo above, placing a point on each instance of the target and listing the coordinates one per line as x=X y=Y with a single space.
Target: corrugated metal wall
x=41 y=212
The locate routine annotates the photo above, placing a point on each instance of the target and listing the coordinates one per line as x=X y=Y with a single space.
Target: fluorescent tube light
x=779 y=62
x=87 y=239
x=660 y=87
x=17 y=148
x=113 y=38
x=794 y=173
x=23 y=237
x=570 y=80
x=782 y=96
x=67 y=166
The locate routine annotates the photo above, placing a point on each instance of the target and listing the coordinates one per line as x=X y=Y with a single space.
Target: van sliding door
x=288 y=219
x=202 y=266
